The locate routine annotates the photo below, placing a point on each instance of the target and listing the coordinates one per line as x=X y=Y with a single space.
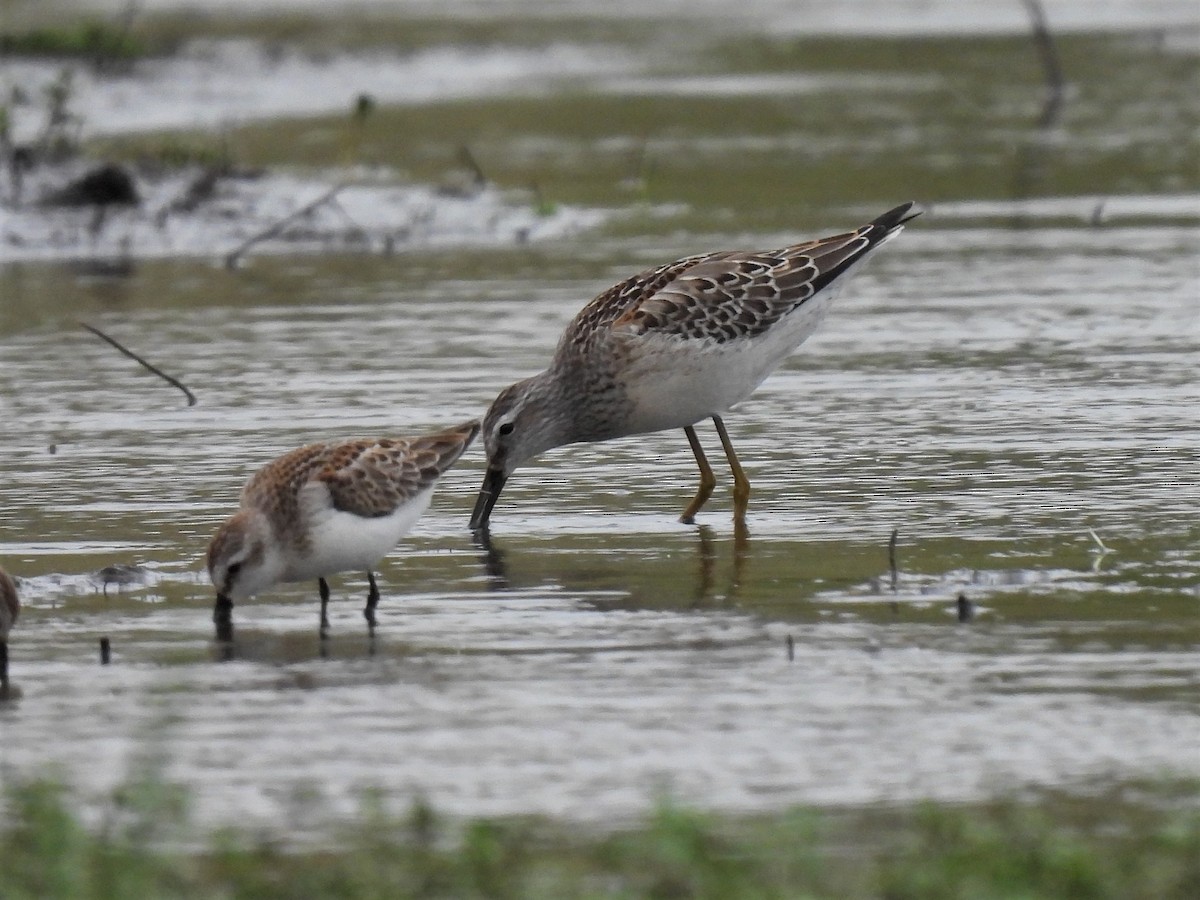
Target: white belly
x=672 y=383
x=344 y=542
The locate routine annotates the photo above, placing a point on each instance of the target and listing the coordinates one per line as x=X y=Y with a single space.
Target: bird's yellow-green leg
x=708 y=480
x=741 y=484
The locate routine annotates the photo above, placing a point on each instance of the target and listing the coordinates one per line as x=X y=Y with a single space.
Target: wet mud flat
x=1003 y=387
x=522 y=702
x=184 y=193
x=599 y=654
x=224 y=214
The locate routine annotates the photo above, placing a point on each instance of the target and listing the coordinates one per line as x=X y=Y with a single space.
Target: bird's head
x=242 y=557
x=524 y=420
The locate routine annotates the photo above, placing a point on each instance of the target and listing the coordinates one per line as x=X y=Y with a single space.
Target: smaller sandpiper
x=326 y=508
x=10 y=606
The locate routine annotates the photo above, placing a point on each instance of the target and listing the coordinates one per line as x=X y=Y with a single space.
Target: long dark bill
x=489 y=493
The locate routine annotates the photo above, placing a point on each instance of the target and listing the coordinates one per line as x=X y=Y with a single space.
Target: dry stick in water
x=157 y=371
x=965 y=608
x=472 y=163
x=231 y=260
x=1055 y=82
x=892 y=558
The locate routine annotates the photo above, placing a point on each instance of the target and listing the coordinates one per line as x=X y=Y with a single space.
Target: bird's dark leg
x=707 y=479
x=323 y=587
x=372 y=602
x=741 y=484
x=223 y=618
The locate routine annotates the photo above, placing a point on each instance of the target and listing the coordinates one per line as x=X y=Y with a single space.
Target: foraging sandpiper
x=674 y=345
x=326 y=508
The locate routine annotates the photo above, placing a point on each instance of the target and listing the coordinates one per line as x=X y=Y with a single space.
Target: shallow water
x=1007 y=377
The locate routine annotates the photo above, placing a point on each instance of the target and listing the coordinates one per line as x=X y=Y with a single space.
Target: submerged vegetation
x=1048 y=848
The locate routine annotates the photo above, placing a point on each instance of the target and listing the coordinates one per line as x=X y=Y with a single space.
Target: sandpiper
x=326 y=508
x=10 y=606
x=674 y=345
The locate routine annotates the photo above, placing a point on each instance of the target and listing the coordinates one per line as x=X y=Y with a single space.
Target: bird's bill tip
x=489 y=493
x=895 y=217
x=912 y=209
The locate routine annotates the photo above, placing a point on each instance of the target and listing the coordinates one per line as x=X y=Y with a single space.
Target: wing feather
x=375 y=478
x=718 y=296
x=729 y=295
x=366 y=477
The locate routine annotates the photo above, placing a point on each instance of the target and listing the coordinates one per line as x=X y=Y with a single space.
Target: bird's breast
x=340 y=541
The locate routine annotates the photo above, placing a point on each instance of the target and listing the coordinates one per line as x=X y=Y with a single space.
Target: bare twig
x=892 y=558
x=964 y=608
x=231 y=260
x=108 y=59
x=465 y=182
x=1055 y=82
x=1100 y=546
x=1100 y=551
x=157 y=371
x=469 y=160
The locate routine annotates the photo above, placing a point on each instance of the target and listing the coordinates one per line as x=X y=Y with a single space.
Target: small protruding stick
x=892 y=558
x=105 y=651
x=1055 y=82
x=191 y=398
x=965 y=608
x=469 y=160
x=791 y=649
x=231 y=259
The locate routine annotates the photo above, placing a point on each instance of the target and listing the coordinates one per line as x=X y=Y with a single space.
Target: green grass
x=1108 y=847
x=77 y=40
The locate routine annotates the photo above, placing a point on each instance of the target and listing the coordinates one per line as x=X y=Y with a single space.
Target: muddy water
x=1006 y=378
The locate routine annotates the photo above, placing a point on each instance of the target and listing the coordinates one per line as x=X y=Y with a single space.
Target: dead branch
x=157 y=371
x=231 y=260
x=1051 y=64
x=469 y=160
x=892 y=558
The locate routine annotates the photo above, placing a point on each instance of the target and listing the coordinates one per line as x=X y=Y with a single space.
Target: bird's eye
x=506 y=428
